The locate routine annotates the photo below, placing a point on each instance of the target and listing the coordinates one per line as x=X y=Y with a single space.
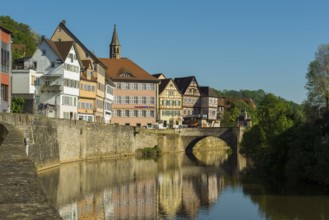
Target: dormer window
x=126 y=75
x=43 y=52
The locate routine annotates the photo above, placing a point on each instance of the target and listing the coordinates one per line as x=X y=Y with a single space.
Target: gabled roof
x=125 y=69
x=159 y=76
x=164 y=83
x=64 y=48
x=86 y=64
x=206 y=91
x=61 y=48
x=62 y=25
x=184 y=82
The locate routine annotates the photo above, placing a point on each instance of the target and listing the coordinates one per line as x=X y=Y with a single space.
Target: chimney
x=64 y=22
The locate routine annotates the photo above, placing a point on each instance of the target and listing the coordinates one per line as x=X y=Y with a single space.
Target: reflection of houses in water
x=210 y=188
x=91 y=207
x=132 y=200
x=191 y=199
x=170 y=192
x=69 y=212
x=108 y=206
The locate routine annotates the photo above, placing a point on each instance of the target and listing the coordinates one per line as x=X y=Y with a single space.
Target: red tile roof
x=126 y=70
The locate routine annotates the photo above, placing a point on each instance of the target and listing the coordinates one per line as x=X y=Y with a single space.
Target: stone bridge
x=230 y=137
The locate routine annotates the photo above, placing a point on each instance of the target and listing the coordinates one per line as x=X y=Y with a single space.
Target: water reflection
x=170 y=188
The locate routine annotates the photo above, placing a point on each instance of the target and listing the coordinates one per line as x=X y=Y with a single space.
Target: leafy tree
x=274 y=116
x=22 y=34
x=17 y=105
x=317 y=77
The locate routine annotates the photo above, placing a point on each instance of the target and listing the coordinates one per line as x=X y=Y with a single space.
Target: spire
x=115 y=45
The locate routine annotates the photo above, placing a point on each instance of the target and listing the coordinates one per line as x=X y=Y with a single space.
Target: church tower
x=115 y=45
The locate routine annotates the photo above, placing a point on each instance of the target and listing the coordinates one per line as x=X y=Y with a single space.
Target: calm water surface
x=176 y=186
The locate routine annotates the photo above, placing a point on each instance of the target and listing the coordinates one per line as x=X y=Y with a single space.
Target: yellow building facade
x=170 y=104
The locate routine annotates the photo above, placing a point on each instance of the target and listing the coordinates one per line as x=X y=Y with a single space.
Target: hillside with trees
x=25 y=40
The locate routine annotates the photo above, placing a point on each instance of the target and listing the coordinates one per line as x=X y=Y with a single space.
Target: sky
x=236 y=44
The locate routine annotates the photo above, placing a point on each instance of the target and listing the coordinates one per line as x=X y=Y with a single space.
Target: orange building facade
x=5 y=69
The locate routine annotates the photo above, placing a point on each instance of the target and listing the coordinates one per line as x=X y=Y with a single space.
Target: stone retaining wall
x=21 y=193
x=55 y=141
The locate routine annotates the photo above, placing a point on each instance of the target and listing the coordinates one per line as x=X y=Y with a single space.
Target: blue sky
x=237 y=44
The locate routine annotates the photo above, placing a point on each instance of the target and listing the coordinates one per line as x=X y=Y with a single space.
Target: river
x=175 y=186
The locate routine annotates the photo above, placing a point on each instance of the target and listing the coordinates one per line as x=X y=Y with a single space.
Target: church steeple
x=115 y=45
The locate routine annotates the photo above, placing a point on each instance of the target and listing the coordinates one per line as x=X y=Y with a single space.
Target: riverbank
x=21 y=193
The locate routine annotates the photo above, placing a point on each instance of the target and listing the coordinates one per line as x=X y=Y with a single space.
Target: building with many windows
x=170 y=103
x=188 y=86
x=62 y=33
x=5 y=69
x=209 y=105
x=57 y=88
x=135 y=91
x=87 y=97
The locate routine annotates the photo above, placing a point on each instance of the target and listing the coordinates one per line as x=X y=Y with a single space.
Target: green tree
x=317 y=77
x=22 y=34
x=17 y=105
x=274 y=116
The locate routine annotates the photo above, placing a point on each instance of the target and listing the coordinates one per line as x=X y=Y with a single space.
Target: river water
x=175 y=186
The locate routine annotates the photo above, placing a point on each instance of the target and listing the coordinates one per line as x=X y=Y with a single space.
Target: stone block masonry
x=55 y=141
x=52 y=142
x=21 y=193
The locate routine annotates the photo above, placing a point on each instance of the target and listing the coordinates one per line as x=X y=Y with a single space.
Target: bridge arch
x=191 y=136
x=206 y=143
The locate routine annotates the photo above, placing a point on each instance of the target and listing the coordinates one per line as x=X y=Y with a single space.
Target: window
x=152 y=113
x=135 y=86
x=127 y=100
x=118 y=84
x=43 y=52
x=4 y=60
x=135 y=113
x=52 y=64
x=152 y=86
x=127 y=113
x=4 y=93
x=135 y=100
x=33 y=80
x=95 y=66
x=118 y=113
x=152 y=100
x=143 y=113
x=171 y=93
x=118 y=99
x=144 y=86
x=144 y=100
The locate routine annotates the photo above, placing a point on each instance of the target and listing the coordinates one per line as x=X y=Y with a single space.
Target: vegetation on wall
x=17 y=105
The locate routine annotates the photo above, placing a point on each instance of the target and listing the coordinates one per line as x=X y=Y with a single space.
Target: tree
x=22 y=34
x=318 y=78
x=17 y=105
x=274 y=116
